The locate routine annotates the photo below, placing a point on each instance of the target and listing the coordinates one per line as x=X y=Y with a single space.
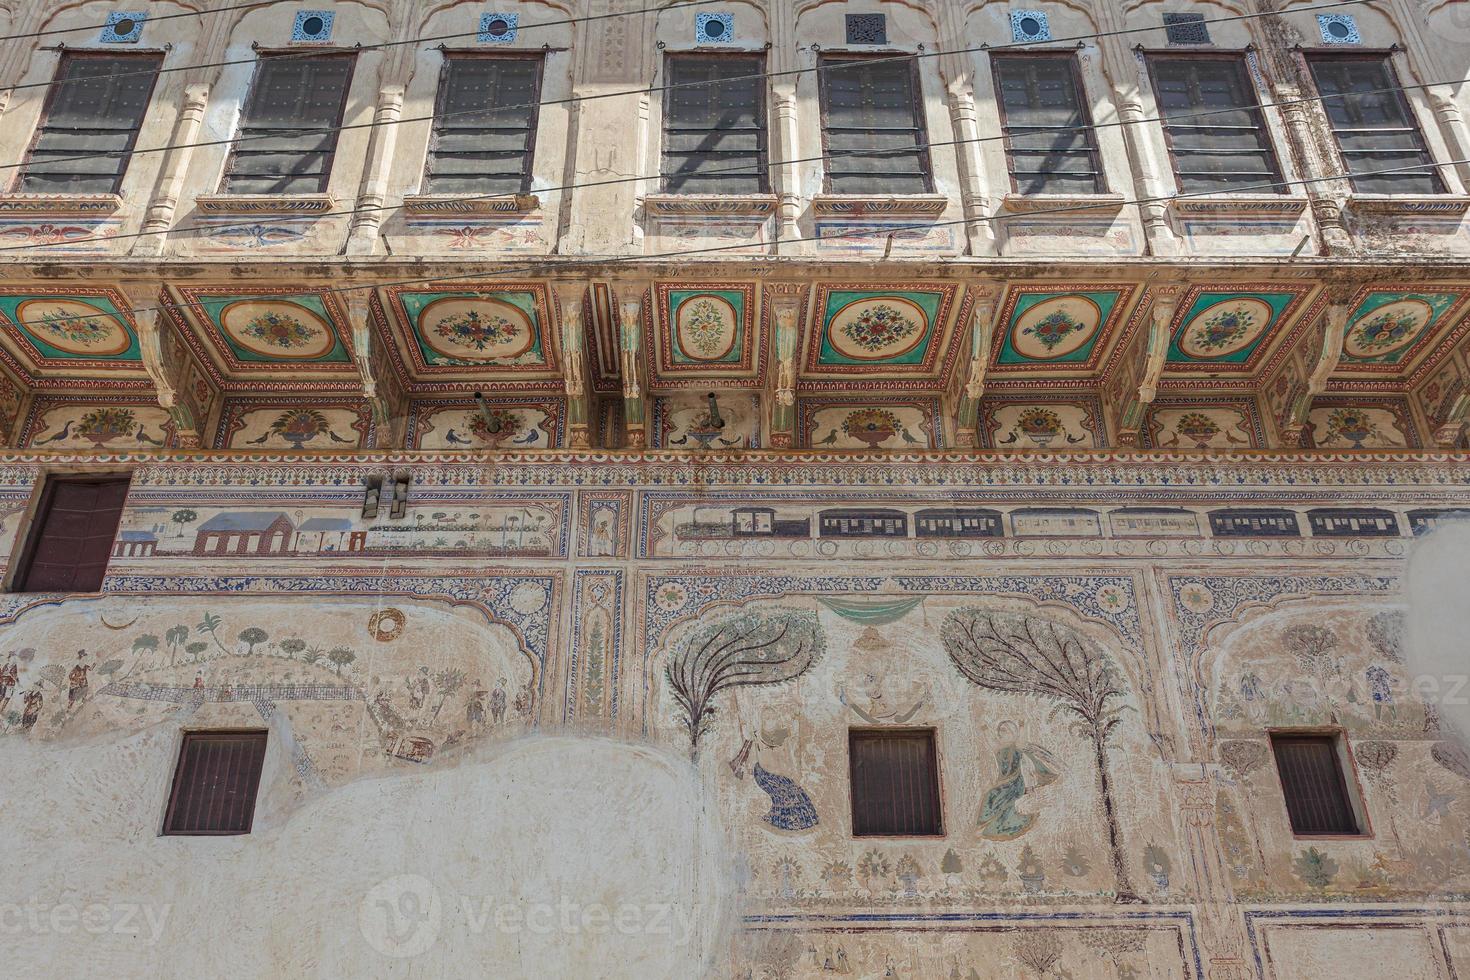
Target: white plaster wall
x=497 y=867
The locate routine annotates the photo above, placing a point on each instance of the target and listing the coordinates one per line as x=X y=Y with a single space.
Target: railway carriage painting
x=802 y=521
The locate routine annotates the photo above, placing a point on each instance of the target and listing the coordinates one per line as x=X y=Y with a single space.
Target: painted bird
x=830 y=440
x=65 y=431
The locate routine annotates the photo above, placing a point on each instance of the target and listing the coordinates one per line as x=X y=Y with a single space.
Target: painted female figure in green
x=999 y=819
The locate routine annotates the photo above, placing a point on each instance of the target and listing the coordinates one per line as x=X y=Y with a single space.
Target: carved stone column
x=165 y=203
x=367 y=217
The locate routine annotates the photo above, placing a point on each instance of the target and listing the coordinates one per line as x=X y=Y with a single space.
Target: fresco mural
x=250 y=423
x=1348 y=423
x=687 y=421
x=359 y=686
x=477 y=330
x=1041 y=424
x=85 y=326
x=82 y=423
x=504 y=423
x=1203 y=423
x=837 y=424
x=1087 y=662
x=266 y=332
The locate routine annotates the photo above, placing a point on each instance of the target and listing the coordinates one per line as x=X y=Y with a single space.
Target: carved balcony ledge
x=1409 y=204
x=879 y=205
x=72 y=205
x=438 y=204
x=1076 y=203
x=276 y=204
x=1277 y=205
x=708 y=205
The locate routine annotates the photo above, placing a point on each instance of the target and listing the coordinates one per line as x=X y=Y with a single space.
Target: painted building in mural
x=584 y=438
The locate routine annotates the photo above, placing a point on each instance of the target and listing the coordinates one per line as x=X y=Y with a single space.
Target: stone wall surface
x=484 y=705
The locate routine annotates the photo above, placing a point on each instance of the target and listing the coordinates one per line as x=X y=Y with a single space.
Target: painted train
x=1061 y=522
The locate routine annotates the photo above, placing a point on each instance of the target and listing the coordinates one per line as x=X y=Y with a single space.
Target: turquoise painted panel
x=1056 y=328
x=73 y=328
x=877 y=329
x=1226 y=327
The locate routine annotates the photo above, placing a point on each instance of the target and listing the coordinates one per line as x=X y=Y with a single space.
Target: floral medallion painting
x=1389 y=327
x=69 y=328
x=1227 y=331
x=900 y=331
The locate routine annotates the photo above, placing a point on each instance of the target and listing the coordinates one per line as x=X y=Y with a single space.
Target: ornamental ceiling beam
x=785 y=299
x=633 y=299
x=164 y=358
x=1333 y=329
x=967 y=387
x=1164 y=300
x=571 y=298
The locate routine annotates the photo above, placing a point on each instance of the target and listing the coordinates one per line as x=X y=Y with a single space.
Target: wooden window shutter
x=89 y=124
x=1374 y=126
x=1047 y=126
x=71 y=540
x=895 y=784
x=873 y=125
x=215 y=783
x=289 y=126
x=715 y=125
x=484 y=124
x=1312 y=780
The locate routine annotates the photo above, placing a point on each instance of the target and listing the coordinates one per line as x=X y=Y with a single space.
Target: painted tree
x=292 y=645
x=340 y=657
x=209 y=624
x=1029 y=655
x=175 y=636
x=182 y=517
x=252 y=637
x=145 y=644
x=745 y=649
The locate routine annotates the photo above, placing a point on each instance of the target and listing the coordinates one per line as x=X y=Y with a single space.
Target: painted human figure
x=76 y=681
x=474 y=711
x=601 y=543
x=497 y=702
x=418 y=689
x=9 y=678
x=32 y=708
x=1380 y=686
x=999 y=818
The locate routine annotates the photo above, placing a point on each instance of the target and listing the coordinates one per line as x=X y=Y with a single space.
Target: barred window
x=90 y=121
x=215 y=783
x=895 y=783
x=715 y=125
x=1213 y=125
x=288 y=130
x=484 y=125
x=1048 y=130
x=873 y=125
x=1312 y=780
x=1373 y=125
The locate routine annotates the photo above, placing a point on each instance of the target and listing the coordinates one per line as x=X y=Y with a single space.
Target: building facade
x=849 y=486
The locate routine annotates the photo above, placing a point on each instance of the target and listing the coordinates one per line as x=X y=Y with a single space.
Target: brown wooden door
x=71 y=539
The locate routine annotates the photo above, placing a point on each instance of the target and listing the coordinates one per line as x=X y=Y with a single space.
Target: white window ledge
x=60 y=204
x=1280 y=205
x=685 y=205
x=289 y=204
x=1409 y=204
x=866 y=205
x=428 y=204
x=1081 y=203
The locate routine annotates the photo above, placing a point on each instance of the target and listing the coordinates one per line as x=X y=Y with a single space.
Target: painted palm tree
x=1030 y=655
x=748 y=648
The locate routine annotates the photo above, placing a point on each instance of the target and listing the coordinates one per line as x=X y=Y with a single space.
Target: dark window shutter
x=1313 y=783
x=288 y=129
x=484 y=125
x=215 y=783
x=895 y=783
x=874 y=127
x=1373 y=126
x=71 y=540
x=1216 y=135
x=714 y=125
x=90 y=121
x=1047 y=126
